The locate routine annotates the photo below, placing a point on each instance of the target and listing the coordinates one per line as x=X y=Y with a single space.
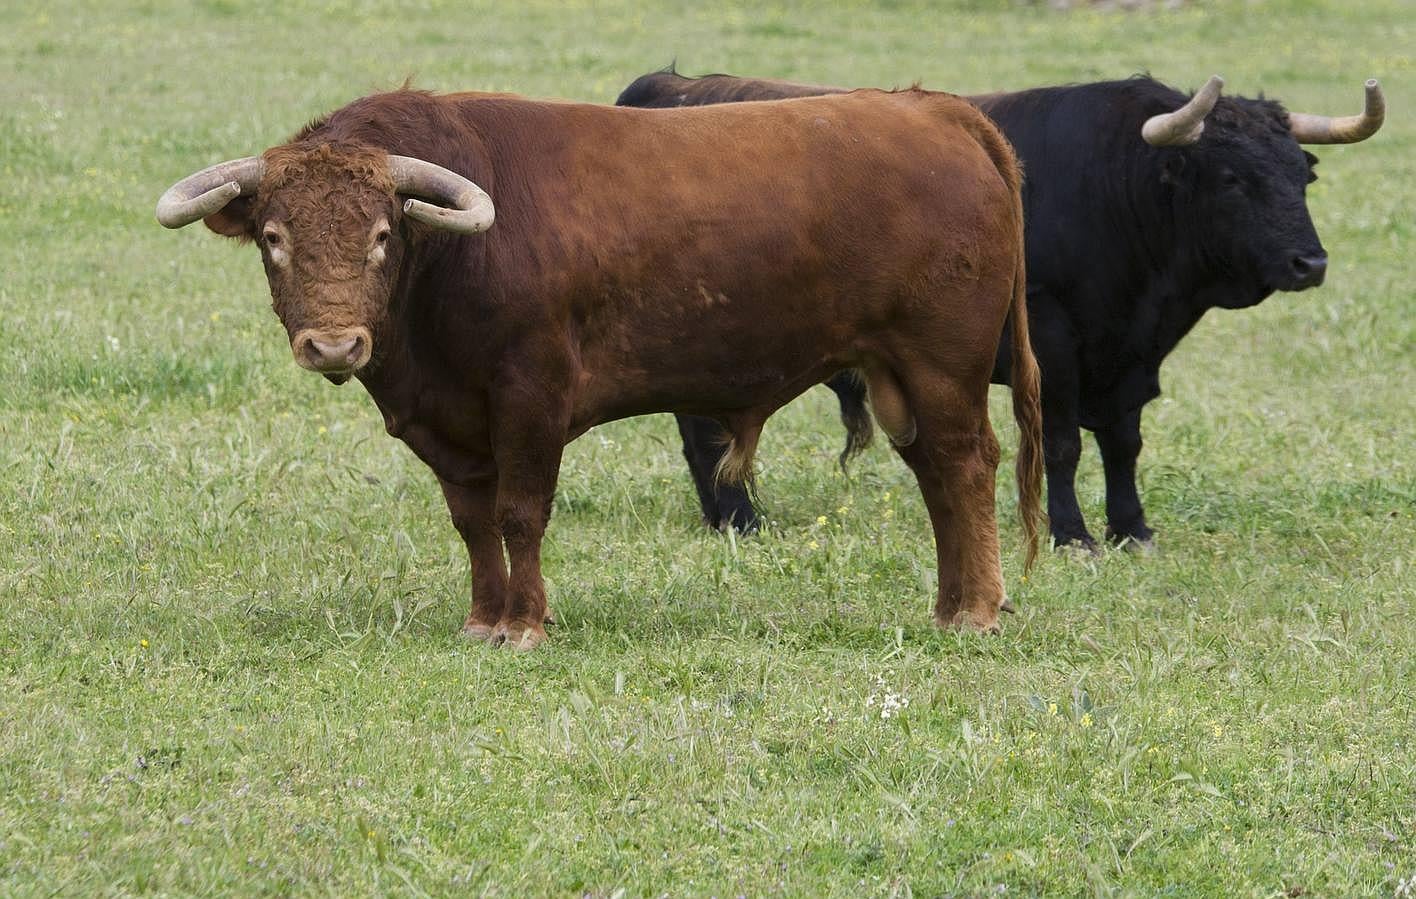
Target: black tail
x=850 y=391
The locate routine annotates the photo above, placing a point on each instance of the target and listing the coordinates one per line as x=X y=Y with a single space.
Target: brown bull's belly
x=763 y=387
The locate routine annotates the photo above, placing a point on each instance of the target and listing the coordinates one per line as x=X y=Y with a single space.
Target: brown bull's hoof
x=519 y=636
x=1007 y=606
x=477 y=629
x=549 y=617
x=971 y=622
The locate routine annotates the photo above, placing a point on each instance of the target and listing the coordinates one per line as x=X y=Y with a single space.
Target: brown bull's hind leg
x=954 y=457
x=473 y=514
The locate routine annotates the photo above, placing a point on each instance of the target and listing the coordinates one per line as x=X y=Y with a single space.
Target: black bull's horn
x=461 y=206
x=1320 y=129
x=1185 y=125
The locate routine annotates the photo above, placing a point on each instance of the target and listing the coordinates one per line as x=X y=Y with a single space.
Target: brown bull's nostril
x=327 y=353
x=336 y=355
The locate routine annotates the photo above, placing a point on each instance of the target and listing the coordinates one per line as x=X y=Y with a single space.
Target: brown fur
x=872 y=230
x=736 y=465
x=887 y=401
x=1025 y=377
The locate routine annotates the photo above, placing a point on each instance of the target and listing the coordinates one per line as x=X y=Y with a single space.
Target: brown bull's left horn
x=1320 y=129
x=467 y=209
x=1185 y=125
x=199 y=195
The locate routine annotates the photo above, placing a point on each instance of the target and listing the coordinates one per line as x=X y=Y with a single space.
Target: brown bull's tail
x=1025 y=378
x=1027 y=412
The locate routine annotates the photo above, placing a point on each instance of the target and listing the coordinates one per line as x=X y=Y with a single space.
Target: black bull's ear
x=1171 y=168
x=236 y=219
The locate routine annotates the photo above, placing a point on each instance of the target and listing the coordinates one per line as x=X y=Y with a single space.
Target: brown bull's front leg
x=473 y=508
x=530 y=435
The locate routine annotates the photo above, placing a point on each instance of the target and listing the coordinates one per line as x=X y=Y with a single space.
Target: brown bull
x=875 y=231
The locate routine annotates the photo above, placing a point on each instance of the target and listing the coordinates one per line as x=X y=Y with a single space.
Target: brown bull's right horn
x=1185 y=125
x=199 y=195
x=464 y=207
x=1320 y=129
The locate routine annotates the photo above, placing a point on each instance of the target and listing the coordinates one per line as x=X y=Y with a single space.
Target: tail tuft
x=849 y=388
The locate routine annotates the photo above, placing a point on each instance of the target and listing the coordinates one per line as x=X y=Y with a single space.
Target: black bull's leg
x=705 y=441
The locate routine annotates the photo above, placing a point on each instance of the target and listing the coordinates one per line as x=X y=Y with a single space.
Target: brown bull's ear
x=235 y=219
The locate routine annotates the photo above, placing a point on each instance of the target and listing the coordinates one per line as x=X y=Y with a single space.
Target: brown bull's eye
x=382 y=237
x=272 y=239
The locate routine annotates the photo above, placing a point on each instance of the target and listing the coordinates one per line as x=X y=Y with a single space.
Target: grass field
x=229 y=660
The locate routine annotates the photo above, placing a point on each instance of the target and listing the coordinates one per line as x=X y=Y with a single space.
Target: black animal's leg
x=1061 y=434
x=1061 y=450
x=1120 y=444
x=705 y=442
x=1056 y=345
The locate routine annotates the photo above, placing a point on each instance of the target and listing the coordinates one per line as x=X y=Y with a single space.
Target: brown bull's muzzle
x=333 y=352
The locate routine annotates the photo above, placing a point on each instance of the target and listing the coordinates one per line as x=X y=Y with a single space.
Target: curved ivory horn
x=1320 y=129
x=1185 y=125
x=466 y=207
x=200 y=194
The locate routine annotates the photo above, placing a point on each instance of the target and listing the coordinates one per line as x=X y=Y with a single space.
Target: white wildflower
x=892 y=705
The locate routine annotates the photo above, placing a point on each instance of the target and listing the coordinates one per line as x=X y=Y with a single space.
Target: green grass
x=229 y=660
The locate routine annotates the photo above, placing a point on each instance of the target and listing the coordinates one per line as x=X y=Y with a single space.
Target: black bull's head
x=1241 y=193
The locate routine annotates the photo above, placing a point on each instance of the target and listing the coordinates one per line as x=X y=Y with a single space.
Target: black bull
x=1128 y=245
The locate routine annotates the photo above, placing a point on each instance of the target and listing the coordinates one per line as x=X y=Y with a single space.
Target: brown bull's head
x=327 y=218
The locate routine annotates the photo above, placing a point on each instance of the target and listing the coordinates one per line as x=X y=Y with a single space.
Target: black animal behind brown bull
x=704 y=261
x=1145 y=208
